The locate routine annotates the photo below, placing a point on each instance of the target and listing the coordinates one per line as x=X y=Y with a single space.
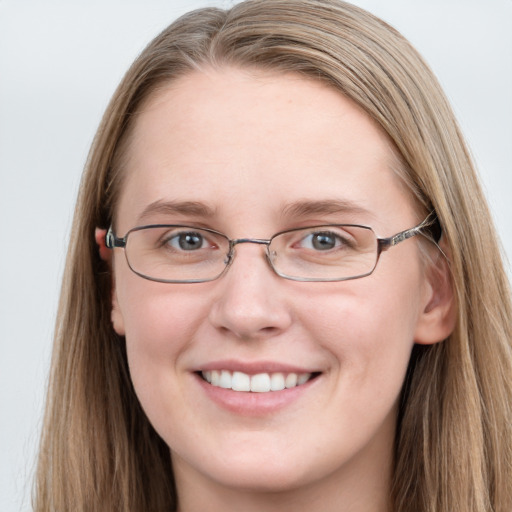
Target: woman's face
x=250 y=154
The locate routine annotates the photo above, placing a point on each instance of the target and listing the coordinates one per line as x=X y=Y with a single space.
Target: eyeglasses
x=188 y=254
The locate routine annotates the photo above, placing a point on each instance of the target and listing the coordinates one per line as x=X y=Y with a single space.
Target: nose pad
x=230 y=256
x=271 y=257
x=251 y=301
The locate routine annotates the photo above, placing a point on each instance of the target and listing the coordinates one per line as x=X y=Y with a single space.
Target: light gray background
x=59 y=64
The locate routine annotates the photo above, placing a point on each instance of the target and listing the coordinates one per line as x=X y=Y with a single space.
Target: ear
x=439 y=315
x=104 y=251
x=116 y=315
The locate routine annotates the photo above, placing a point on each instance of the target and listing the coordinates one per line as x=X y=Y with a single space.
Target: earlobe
x=439 y=315
x=116 y=316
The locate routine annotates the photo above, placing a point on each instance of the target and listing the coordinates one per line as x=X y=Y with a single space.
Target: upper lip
x=254 y=367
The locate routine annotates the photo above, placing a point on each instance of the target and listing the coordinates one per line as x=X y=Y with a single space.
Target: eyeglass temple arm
x=431 y=220
x=112 y=241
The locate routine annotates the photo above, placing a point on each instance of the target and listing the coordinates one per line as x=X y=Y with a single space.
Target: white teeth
x=259 y=383
x=225 y=379
x=215 y=378
x=291 y=380
x=303 y=378
x=241 y=382
x=277 y=382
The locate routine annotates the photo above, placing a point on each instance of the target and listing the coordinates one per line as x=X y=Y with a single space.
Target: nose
x=251 y=301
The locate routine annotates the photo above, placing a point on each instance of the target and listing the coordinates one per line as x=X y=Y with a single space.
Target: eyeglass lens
x=187 y=254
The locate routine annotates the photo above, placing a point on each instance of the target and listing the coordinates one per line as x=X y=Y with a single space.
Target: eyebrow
x=300 y=209
x=189 y=208
x=306 y=208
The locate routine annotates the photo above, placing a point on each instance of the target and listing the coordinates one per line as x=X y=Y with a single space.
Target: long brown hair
x=454 y=437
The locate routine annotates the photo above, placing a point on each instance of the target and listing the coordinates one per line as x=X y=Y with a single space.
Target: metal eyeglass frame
x=383 y=244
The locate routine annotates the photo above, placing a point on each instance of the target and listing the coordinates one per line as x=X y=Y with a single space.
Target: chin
x=263 y=479
x=253 y=472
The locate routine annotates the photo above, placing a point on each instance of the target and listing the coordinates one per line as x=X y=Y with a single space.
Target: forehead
x=238 y=141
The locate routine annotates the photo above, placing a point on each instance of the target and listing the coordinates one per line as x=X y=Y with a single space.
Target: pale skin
x=246 y=145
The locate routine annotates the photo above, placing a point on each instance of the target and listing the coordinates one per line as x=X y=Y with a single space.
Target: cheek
x=159 y=327
x=368 y=328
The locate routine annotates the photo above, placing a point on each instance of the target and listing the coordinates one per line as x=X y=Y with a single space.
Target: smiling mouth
x=258 y=383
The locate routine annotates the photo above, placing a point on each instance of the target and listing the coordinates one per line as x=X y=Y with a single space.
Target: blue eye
x=187 y=241
x=322 y=241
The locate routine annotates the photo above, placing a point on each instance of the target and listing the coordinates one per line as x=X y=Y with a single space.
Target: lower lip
x=247 y=403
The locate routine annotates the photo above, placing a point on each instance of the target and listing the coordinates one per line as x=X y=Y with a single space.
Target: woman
x=310 y=311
